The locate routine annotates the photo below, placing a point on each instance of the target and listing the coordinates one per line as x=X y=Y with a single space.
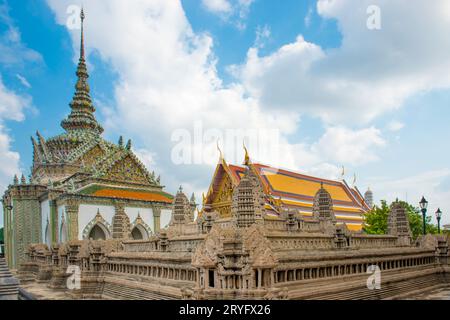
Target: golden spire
x=247 y=157
x=82 y=16
x=82 y=118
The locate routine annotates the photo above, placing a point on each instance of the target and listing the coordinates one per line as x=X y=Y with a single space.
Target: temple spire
x=82 y=16
x=81 y=118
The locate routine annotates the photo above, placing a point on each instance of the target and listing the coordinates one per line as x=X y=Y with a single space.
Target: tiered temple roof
x=286 y=189
x=80 y=156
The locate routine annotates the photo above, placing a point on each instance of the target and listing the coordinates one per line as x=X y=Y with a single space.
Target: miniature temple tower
x=183 y=211
x=248 y=201
x=323 y=205
x=398 y=224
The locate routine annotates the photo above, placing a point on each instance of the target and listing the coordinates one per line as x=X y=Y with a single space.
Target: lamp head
x=423 y=204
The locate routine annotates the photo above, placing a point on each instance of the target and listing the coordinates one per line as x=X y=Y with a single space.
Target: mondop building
x=262 y=233
x=82 y=187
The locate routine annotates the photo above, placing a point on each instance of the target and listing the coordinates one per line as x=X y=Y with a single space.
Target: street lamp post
x=423 y=207
x=438 y=218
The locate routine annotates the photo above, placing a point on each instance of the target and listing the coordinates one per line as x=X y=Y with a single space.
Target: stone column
x=156 y=219
x=72 y=207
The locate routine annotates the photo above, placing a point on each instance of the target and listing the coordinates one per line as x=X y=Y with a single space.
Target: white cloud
x=347 y=146
x=262 y=34
x=217 y=6
x=12 y=51
x=372 y=72
x=395 y=126
x=11 y=108
x=11 y=104
x=232 y=11
x=308 y=17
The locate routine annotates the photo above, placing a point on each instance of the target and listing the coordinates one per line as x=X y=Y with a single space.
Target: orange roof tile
x=134 y=195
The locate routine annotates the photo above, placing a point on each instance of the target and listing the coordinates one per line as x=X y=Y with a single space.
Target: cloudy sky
x=318 y=85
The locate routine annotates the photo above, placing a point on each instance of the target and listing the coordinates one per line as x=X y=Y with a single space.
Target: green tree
x=375 y=221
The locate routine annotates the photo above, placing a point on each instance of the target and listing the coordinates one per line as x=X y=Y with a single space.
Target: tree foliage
x=375 y=221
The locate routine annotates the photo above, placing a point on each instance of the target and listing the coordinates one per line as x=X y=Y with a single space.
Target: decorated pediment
x=91 y=157
x=128 y=169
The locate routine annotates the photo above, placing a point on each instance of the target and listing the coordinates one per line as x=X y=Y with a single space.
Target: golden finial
x=354 y=179
x=247 y=157
x=220 y=151
x=203 y=198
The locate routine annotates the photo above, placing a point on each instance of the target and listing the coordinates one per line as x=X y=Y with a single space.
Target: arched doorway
x=139 y=233
x=97 y=233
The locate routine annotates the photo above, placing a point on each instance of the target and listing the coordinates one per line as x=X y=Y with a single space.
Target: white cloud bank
x=167 y=79
x=12 y=106
x=372 y=72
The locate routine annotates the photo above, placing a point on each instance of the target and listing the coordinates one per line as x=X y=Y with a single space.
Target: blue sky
x=374 y=101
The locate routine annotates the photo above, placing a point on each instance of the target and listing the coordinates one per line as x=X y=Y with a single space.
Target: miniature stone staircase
x=9 y=286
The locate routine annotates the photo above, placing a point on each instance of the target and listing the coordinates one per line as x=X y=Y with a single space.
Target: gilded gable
x=222 y=200
x=92 y=156
x=127 y=169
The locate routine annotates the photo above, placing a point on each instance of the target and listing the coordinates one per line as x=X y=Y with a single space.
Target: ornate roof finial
x=220 y=151
x=82 y=16
x=23 y=180
x=203 y=198
x=354 y=179
x=180 y=190
x=16 y=180
x=247 y=157
x=120 y=141
x=343 y=173
x=82 y=116
x=128 y=147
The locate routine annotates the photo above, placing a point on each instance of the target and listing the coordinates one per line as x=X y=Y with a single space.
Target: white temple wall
x=166 y=216
x=87 y=212
x=45 y=217
x=145 y=213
